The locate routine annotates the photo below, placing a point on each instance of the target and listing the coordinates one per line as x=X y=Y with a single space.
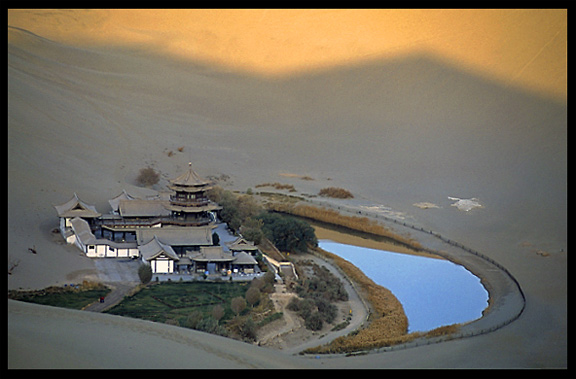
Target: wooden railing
x=149 y=222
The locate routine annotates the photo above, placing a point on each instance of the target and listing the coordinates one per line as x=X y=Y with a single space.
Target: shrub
x=238 y=304
x=210 y=325
x=264 y=284
x=172 y=321
x=217 y=312
x=194 y=319
x=248 y=330
x=314 y=321
x=145 y=273
x=327 y=310
x=323 y=284
x=148 y=176
x=278 y=186
x=294 y=304
x=252 y=295
x=318 y=291
x=336 y=192
x=236 y=210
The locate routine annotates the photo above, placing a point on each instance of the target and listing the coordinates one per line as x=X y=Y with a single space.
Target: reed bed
x=361 y=224
x=336 y=192
x=388 y=322
x=278 y=186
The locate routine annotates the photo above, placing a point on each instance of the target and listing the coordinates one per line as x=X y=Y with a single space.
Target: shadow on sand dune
x=399 y=131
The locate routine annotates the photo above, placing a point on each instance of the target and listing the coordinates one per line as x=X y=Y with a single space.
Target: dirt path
x=119 y=290
x=290 y=322
x=289 y=333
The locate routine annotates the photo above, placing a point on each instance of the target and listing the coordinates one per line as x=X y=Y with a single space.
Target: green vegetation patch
x=317 y=292
x=176 y=301
x=73 y=297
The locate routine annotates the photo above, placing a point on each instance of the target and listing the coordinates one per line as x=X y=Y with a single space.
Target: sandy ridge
x=61 y=140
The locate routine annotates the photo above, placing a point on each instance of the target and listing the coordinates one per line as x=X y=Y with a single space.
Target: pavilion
x=167 y=233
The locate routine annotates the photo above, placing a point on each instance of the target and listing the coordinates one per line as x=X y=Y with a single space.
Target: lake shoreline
x=506 y=300
x=433 y=292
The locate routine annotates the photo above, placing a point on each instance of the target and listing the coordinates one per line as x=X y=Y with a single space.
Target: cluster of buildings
x=172 y=234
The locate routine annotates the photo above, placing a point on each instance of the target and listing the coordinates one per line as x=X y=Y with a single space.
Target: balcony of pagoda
x=135 y=223
x=184 y=202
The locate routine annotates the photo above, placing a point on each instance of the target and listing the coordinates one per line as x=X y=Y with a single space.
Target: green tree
x=145 y=273
x=252 y=230
x=215 y=239
x=235 y=209
x=218 y=312
x=238 y=304
x=252 y=295
x=288 y=233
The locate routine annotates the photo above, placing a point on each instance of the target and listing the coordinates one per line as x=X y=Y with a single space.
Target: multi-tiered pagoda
x=171 y=235
x=189 y=205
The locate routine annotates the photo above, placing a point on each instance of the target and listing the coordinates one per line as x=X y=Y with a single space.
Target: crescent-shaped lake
x=434 y=292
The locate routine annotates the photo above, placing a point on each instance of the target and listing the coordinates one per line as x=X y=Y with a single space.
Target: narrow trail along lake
x=434 y=292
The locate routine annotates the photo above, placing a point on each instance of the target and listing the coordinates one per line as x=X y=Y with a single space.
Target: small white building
x=160 y=230
x=71 y=209
x=159 y=256
x=94 y=247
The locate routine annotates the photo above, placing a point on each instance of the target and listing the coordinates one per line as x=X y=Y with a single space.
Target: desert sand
x=95 y=96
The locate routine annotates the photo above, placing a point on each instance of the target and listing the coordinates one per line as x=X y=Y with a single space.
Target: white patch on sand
x=385 y=211
x=466 y=204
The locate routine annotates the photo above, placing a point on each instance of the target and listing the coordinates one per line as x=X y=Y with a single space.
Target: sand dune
x=395 y=130
x=520 y=47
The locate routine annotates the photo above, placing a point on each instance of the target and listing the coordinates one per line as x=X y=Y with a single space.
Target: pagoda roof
x=243 y=258
x=115 y=201
x=76 y=208
x=211 y=254
x=178 y=236
x=241 y=244
x=143 y=208
x=155 y=248
x=190 y=179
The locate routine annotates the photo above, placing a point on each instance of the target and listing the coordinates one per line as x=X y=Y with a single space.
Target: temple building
x=170 y=234
x=71 y=209
x=189 y=205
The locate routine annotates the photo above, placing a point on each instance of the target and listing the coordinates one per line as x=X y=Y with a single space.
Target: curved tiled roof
x=76 y=208
x=190 y=179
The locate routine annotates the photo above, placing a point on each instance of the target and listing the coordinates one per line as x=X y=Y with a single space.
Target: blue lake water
x=433 y=292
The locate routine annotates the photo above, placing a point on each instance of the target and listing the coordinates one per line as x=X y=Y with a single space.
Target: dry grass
x=336 y=192
x=388 y=322
x=289 y=175
x=148 y=177
x=361 y=224
x=278 y=186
